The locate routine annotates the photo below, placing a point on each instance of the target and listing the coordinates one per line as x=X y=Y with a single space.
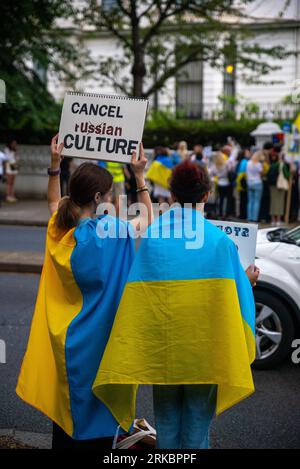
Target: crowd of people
x=9 y=169
x=247 y=184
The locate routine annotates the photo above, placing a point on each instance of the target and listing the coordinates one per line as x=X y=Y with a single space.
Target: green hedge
x=160 y=129
x=204 y=132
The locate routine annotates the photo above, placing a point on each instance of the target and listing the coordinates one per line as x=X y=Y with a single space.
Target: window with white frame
x=189 y=90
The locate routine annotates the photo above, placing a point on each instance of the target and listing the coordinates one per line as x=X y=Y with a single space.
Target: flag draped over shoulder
x=186 y=317
x=160 y=171
x=80 y=288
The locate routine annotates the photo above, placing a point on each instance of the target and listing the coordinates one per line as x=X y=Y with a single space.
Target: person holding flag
x=185 y=323
x=159 y=174
x=80 y=288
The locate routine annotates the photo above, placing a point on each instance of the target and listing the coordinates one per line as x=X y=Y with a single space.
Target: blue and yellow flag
x=186 y=316
x=80 y=288
x=160 y=171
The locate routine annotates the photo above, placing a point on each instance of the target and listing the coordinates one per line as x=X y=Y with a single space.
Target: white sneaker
x=11 y=200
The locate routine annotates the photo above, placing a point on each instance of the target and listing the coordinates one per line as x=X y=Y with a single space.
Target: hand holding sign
x=253 y=274
x=244 y=237
x=56 y=150
x=138 y=165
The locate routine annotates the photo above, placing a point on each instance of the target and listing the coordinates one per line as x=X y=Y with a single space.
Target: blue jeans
x=254 y=199
x=183 y=414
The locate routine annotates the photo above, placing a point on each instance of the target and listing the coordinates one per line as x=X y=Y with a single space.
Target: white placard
x=102 y=127
x=244 y=236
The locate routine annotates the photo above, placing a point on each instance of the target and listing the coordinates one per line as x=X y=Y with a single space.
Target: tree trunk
x=138 y=72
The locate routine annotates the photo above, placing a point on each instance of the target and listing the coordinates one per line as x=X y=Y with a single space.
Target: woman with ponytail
x=87 y=260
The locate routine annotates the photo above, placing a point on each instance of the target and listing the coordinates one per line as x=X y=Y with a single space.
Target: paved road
x=268 y=419
x=20 y=238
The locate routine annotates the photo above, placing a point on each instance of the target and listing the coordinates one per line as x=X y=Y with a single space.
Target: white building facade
x=199 y=93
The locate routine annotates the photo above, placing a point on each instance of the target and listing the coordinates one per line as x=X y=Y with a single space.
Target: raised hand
x=138 y=165
x=56 y=150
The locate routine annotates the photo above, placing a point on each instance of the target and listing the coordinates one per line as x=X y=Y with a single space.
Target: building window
x=41 y=72
x=109 y=5
x=189 y=90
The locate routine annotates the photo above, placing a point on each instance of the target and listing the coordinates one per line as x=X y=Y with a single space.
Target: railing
x=247 y=110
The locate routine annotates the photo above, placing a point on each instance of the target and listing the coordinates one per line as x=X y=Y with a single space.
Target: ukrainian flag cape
x=160 y=171
x=186 y=317
x=81 y=285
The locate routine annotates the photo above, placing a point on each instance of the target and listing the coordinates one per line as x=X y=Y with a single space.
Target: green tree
x=159 y=37
x=32 y=44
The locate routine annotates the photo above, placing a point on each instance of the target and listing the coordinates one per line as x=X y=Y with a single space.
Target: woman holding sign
x=87 y=261
x=185 y=323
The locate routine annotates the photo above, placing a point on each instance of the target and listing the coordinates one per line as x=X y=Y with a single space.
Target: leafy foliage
x=31 y=44
x=159 y=37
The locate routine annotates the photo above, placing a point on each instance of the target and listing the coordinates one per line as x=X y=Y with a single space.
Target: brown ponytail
x=68 y=214
x=85 y=182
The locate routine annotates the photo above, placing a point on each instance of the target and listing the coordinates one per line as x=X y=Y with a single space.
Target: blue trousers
x=183 y=414
x=254 y=198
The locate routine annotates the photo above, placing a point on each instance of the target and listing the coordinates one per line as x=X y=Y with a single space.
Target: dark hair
x=160 y=151
x=268 y=146
x=85 y=182
x=189 y=183
x=277 y=148
x=10 y=141
x=242 y=154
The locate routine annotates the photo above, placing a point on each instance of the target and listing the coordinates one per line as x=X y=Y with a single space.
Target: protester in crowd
x=3 y=159
x=175 y=156
x=264 y=213
x=254 y=173
x=220 y=171
x=235 y=148
x=229 y=154
x=65 y=175
x=182 y=150
x=197 y=155
x=11 y=170
x=295 y=197
x=185 y=323
x=159 y=173
x=226 y=150
x=86 y=264
x=241 y=183
x=278 y=176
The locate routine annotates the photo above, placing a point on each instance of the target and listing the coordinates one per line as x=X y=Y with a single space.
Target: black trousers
x=224 y=200
x=60 y=440
x=264 y=213
x=243 y=205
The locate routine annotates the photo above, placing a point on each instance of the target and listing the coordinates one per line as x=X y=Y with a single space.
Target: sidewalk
x=29 y=213
x=25 y=213
x=14 y=439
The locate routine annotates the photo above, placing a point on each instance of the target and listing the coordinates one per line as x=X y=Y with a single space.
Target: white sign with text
x=244 y=236
x=102 y=127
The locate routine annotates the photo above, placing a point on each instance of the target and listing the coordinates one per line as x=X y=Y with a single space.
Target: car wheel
x=275 y=330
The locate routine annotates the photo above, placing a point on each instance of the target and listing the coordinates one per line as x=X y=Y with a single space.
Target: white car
x=277 y=294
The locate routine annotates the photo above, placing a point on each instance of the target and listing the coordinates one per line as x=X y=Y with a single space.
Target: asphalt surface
x=20 y=238
x=268 y=419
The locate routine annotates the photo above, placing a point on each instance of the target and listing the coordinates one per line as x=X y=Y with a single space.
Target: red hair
x=189 y=182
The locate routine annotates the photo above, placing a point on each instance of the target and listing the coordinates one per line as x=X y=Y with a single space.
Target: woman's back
x=254 y=172
x=83 y=278
x=191 y=316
